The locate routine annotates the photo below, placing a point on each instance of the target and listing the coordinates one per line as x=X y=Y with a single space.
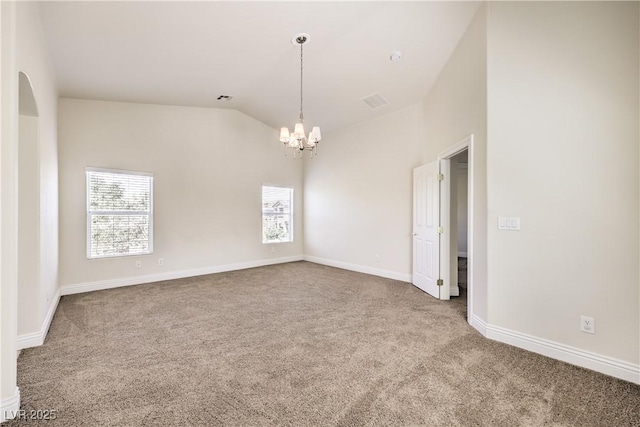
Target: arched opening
x=26 y=101
x=29 y=304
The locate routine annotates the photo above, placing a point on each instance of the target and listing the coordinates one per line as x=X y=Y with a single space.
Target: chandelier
x=297 y=140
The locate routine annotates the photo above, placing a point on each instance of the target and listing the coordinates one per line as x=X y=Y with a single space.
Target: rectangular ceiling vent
x=375 y=100
x=225 y=97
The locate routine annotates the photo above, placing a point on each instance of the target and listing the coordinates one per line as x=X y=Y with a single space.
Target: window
x=277 y=217
x=119 y=213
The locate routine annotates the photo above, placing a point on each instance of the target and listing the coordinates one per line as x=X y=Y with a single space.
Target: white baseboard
x=479 y=325
x=454 y=290
x=604 y=364
x=35 y=339
x=9 y=406
x=32 y=339
x=77 y=288
x=360 y=268
x=575 y=356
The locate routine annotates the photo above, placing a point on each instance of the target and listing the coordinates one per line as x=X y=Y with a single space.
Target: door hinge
x=440 y=282
x=440 y=230
x=440 y=177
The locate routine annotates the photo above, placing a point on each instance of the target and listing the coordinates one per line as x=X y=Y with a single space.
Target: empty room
x=380 y=213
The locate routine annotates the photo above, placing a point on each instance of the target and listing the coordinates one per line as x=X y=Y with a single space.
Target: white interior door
x=426 y=239
x=444 y=209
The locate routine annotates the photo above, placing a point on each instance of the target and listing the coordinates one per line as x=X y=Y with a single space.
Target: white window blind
x=277 y=214
x=119 y=213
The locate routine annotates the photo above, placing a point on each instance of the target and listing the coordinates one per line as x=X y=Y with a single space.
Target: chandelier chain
x=301 y=77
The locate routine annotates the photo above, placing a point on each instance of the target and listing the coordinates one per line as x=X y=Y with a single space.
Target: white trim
x=470 y=223
x=10 y=406
x=555 y=350
x=117 y=171
x=462 y=254
x=291 y=213
x=90 y=212
x=35 y=339
x=454 y=290
x=77 y=288
x=575 y=356
x=403 y=277
x=457 y=148
x=603 y=364
x=478 y=324
x=32 y=339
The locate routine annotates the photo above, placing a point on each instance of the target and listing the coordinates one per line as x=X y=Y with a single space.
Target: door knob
x=415 y=234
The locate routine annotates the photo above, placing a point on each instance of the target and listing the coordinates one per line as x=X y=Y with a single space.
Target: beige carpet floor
x=298 y=344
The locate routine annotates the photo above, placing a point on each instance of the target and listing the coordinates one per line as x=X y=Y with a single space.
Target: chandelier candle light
x=297 y=140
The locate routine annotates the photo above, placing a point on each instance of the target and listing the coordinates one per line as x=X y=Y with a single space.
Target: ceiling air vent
x=374 y=101
x=225 y=98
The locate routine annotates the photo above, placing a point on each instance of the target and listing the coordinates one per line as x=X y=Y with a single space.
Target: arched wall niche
x=29 y=286
x=27 y=105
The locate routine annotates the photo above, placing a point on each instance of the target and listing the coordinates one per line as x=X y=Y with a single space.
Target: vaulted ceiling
x=189 y=53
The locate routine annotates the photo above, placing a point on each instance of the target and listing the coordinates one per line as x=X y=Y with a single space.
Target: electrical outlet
x=138 y=264
x=588 y=324
x=376 y=258
x=160 y=261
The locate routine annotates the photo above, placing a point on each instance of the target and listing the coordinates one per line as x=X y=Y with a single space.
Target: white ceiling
x=188 y=53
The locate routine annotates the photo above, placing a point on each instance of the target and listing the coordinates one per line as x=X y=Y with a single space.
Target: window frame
x=90 y=213
x=262 y=214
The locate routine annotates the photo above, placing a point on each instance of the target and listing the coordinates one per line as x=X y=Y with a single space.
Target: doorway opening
x=456 y=214
x=443 y=226
x=458 y=227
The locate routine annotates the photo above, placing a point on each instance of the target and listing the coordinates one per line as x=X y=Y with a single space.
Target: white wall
x=209 y=166
x=9 y=394
x=358 y=194
x=563 y=121
x=32 y=59
x=23 y=50
x=29 y=301
x=455 y=108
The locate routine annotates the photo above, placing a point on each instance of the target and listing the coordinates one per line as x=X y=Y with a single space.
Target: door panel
x=445 y=223
x=426 y=209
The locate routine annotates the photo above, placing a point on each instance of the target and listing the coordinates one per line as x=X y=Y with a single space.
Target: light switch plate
x=511 y=223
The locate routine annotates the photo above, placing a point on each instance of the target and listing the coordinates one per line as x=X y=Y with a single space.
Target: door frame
x=445 y=238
